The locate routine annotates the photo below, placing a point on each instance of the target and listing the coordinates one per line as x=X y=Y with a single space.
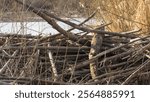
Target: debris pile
x=95 y=56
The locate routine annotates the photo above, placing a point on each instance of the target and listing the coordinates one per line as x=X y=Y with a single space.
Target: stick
x=32 y=80
x=86 y=29
x=60 y=48
x=136 y=71
x=82 y=64
x=54 y=70
x=53 y=23
x=3 y=69
x=53 y=36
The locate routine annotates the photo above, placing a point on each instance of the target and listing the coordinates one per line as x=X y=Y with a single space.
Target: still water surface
x=33 y=28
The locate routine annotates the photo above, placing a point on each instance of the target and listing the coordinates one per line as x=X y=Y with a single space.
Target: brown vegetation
x=11 y=11
x=124 y=14
x=61 y=6
x=67 y=58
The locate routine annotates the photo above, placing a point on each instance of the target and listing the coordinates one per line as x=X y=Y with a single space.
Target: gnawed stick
x=96 y=44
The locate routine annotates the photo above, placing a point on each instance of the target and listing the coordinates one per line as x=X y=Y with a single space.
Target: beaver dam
x=92 y=56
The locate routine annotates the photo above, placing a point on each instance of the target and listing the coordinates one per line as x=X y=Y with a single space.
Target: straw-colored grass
x=124 y=14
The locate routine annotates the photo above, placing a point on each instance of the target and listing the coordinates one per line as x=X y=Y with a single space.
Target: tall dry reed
x=125 y=15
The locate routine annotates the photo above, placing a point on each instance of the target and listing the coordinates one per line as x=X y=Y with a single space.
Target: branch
x=52 y=22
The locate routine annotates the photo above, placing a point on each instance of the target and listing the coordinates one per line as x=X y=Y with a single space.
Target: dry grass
x=125 y=14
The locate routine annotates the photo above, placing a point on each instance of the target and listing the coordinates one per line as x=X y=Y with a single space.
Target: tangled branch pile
x=94 y=57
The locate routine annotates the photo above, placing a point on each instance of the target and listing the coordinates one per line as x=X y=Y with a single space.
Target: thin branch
x=147 y=62
x=82 y=64
x=60 y=48
x=3 y=69
x=52 y=22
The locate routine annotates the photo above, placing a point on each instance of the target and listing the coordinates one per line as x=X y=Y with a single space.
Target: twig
x=48 y=17
x=110 y=74
x=87 y=29
x=32 y=80
x=136 y=71
x=52 y=36
x=82 y=64
x=53 y=23
x=3 y=69
x=60 y=48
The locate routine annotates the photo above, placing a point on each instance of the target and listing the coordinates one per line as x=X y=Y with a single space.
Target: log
x=96 y=45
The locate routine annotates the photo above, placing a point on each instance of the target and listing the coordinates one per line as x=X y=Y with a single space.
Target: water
x=33 y=28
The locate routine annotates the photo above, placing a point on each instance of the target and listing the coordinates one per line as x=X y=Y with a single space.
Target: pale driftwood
x=148 y=56
x=54 y=69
